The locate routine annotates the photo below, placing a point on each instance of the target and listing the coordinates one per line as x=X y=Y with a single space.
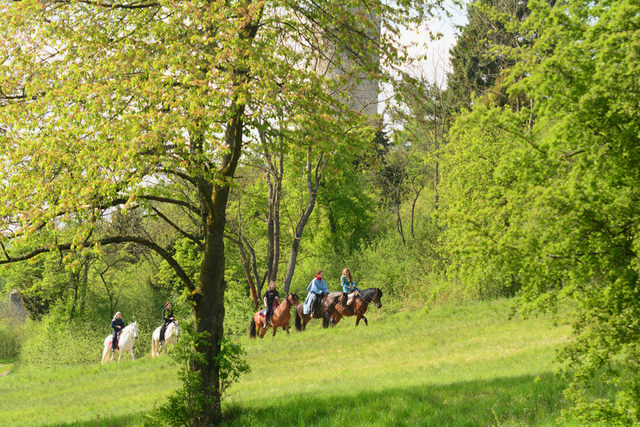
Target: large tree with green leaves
x=107 y=105
x=546 y=198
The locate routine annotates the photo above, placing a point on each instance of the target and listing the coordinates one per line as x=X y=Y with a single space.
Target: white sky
x=435 y=64
x=437 y=52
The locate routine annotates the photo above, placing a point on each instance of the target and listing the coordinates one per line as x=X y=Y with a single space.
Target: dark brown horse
x=358 y=306
x=280 y=317
x=317 y=312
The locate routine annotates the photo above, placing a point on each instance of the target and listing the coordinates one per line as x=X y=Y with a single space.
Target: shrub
x=184 y=407
x=11 y=337
x=52 y=342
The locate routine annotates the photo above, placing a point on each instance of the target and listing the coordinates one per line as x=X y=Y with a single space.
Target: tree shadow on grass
x=502 y=401
x=104 y=421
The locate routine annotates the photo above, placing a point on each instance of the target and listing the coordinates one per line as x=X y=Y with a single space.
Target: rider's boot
x=343 y=301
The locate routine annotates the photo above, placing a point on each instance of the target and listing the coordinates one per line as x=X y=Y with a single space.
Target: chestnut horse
x=280 y=317
x=318 y=311
x=358 y=306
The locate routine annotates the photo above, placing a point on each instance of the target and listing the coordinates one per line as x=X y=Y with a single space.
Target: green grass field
x=457 y=365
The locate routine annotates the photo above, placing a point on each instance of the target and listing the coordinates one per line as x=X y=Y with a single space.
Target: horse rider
x=348 y=287
x=271 y=300
x=117 y=324
x=167 y=317
x=317 y=287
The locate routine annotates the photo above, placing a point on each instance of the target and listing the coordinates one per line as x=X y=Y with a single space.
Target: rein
x=375 y=292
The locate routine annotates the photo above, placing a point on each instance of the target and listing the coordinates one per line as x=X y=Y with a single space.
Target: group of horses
x=327 y=307
x=129 y=335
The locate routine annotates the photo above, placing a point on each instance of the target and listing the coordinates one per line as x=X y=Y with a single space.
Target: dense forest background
x=517 y=177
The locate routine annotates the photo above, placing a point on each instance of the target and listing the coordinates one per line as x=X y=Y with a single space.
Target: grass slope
x=458 y=365
x=454 y=366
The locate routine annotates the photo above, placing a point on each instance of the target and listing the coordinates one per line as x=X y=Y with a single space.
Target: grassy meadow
x=457 y=365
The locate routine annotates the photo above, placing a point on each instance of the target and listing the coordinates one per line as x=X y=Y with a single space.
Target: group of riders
x=117 y=324
x=316 y=288
x=271 y=299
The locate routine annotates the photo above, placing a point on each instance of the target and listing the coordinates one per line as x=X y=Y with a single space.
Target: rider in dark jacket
x=167 y=317
x=117 y=324
x=271 y=296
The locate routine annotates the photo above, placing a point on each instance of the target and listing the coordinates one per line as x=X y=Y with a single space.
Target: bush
x=185 y=406
x=11 y=336
x=52 y=342
x=12 y=331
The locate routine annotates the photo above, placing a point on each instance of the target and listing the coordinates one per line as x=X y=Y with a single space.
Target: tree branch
x=108 y=241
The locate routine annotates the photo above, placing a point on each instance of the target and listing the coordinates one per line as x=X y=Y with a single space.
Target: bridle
x=373 y=298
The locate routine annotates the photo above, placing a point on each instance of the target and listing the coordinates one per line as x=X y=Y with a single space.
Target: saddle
x=316 y=308
x=264 y=312
x=117 y=341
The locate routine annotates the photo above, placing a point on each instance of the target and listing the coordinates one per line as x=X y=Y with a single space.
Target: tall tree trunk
x=245 y=266
x=274 y=176
x=208 y=295
x=399 y=224
x=312 y=190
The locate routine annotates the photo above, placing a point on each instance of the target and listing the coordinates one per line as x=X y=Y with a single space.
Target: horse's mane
x=369 y=293
x=128 y=327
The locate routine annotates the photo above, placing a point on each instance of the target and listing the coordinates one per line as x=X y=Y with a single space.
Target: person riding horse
x=167 y=317
x=117 y=324
x=349 y=288
x=317 y=287
x=271 y=300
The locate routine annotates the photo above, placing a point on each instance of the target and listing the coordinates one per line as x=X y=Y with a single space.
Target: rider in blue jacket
x=315 y=288
x=347 y=287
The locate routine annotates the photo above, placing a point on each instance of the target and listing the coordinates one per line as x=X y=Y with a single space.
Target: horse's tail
x=325 y=322
x=298 y=321
x=105 y=354
x=154 y=347
x=252 y=328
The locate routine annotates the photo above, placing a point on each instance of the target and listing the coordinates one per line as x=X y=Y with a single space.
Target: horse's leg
x=274 y=330
x=365 y=320
x=133 y=359
x=358 y=319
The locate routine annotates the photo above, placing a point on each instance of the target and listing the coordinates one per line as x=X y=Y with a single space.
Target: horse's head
x=134 y=329
x=376 y=298
x=293 y=299
x=177 y=327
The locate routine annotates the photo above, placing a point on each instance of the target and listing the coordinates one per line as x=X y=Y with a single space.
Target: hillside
x=457 y=365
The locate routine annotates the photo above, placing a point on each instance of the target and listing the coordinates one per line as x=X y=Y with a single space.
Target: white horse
x=128 y=337
x=170 y=336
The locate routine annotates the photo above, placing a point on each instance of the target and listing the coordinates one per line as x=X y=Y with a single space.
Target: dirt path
x=5 y=369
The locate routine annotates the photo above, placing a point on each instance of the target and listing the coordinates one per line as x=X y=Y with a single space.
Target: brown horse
x=280 y=317
x=317 y=312
x=357 y=308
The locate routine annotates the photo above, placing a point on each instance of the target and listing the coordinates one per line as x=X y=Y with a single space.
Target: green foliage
x=555 y=207
x=12 y=334
x=186 y=405
x=476 y=211
x=239 y=308
x=12 y=328
x=54 y=342
x=481 y=52
x=11 y=337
